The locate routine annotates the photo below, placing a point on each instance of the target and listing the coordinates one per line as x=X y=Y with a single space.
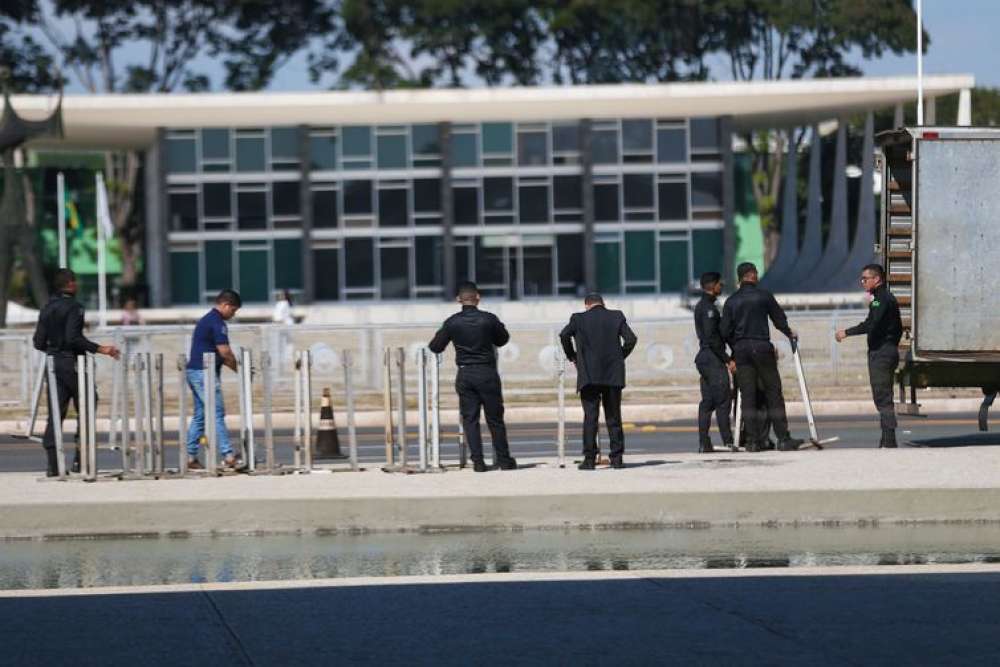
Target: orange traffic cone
x=327 y=441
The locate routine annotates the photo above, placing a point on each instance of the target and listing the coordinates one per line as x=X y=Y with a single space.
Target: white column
x=931 y=115
x=964 y=108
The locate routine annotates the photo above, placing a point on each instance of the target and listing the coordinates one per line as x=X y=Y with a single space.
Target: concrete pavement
x=852 y=486
x=925 y=615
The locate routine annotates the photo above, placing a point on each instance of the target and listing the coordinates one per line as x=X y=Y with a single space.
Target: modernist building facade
x=530 y=192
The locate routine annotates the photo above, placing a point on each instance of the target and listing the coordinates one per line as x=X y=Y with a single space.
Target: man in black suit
x=603 y=341
x=476 y=336
x=745 y=327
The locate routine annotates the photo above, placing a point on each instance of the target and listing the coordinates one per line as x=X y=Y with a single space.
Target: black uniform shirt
x=475 y=333
x=60 y=328
x=883 y=325
x=746 y=313
x=706 y=325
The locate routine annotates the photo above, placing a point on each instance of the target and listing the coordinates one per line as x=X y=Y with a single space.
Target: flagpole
x=102 y=260
x=61 y=217
x=920 y=63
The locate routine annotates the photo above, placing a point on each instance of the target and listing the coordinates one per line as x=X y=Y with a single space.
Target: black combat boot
x=790 y=444
x=509 y=463
x=705 y=447
x=480 y=466
x=52 y=461
x=888 y=438
x=586 y=464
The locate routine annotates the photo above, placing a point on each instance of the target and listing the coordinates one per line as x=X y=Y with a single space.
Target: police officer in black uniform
x=884 y=328
x=744 y=327
x=713 y=364
x=60 y=334
x=476 y=334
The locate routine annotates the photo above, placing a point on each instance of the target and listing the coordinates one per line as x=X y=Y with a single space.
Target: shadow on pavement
x=969 y=440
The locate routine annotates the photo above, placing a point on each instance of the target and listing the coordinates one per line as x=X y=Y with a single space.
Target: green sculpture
x=17 y=233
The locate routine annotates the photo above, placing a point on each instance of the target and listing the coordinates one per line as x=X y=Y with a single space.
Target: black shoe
x=705 y=448
x=76 y=462
x=586 y=464
x=52 y=463
x=509 y=463
x=617 y=462
x=480 y=466
x=888 y=438
x=790 y=444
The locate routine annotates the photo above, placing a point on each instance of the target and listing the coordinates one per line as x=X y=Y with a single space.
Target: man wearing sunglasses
x=883 y=328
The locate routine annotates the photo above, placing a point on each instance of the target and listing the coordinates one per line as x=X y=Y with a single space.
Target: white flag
x=103 y=212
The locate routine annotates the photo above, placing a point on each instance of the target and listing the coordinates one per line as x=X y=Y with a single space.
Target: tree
x=778 y=39
x=24 y=67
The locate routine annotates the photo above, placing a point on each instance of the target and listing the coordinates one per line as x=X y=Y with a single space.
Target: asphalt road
x=643 y=441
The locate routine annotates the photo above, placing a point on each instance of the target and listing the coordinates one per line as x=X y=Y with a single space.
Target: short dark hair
x=593 y=298
x=743 y=269
x=876 y=269
x=230 y=296
x=62 y=278
x=467 y=289
x=709 y=278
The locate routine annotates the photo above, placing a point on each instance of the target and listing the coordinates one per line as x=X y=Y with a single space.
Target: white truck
x=939 y=240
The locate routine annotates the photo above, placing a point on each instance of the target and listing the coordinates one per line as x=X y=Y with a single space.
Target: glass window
x=393 y=210
x=604 y=146
x=250 y=154
x=568 y=192
x=359 y=262
x=498 y=138
x=606 y=207
x=534 y=203
x=705 y=133
x=326 y=274
x=570 y=250
x=430 y=253
x=463 y=150
x=673 y=265
x=466 y=203
x=392 y=152
x=251 y=210
x=288 y=263
x=286 y=198
x=427 y=195
x=181 y=157
x=395 y=273
x=706 y=250
x=608 y=258
x=640 y=256
x=357 y=198
x=254 y=270
x=638 y=190
x=532 y=149
x=706 y=190
x=323 y=152
x=426 y=139
x=324 y=209
x=183 y=211
x=184 y=277
x=217 y=200
x=565 y=138
x=462 y=262
x=537 y=261
x=218 y=265
x=671 y=145
x=489 y=263
x=673 y=201
x=215 y=144
x=498 y=194
x=357 y=141
x=285 y=144
x=637 y=136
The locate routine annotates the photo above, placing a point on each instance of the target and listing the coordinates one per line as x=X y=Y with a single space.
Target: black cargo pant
x=66 y=389
x=882 y=364
x=756 y=362
x=716 y=396
x=478 y=386
x=591 y=398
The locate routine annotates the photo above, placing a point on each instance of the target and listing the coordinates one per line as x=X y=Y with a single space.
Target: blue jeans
x=196 y=380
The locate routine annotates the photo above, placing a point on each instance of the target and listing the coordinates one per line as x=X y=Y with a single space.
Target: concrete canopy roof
x=130 y=121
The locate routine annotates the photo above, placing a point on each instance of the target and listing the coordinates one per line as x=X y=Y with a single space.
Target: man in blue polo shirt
x=211 y=335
